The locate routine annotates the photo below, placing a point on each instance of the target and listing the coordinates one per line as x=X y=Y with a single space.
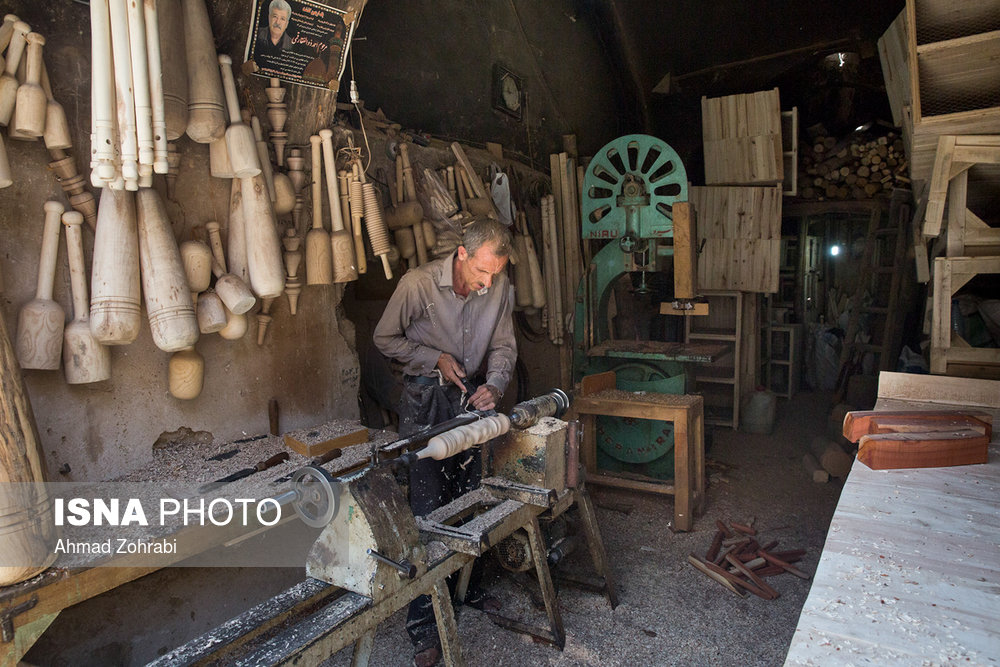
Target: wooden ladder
x=881 y=244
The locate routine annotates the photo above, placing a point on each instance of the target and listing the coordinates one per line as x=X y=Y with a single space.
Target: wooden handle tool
x=206 y=100
x=319 y=251
x=234 y=293
x=341 y=240
x=30 y=106
x=41 y=321
x=86 y=360
x=239 y=136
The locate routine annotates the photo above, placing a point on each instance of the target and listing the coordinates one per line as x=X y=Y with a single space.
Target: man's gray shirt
x=425 y=317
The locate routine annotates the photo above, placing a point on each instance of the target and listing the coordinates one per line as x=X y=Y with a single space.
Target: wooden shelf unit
x=719 y=382
x=784 y=359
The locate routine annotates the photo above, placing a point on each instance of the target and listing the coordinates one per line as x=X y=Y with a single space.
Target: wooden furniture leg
x=596 y=545
x=363 y=649
x=463 y=582
x=682 y=475
x=539 y=555
x=444 y=613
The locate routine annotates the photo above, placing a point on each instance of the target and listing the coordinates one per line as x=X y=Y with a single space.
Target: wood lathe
x=374 y=556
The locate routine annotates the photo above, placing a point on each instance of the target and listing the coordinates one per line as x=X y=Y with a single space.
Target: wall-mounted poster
x=301 y=41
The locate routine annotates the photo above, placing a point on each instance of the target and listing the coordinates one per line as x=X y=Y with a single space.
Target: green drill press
x=635 y=197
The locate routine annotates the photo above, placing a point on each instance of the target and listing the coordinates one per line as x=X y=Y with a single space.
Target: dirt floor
x=669 y=613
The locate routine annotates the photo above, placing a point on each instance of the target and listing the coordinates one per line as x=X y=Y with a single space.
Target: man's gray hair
x=280 y=4
x=481 y=232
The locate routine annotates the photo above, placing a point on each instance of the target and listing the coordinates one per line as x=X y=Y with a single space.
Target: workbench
x=686 y=412
x=911 y=566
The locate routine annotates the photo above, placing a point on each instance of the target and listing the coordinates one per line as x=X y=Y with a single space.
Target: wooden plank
x=309 y=442
x=958 y=190
x=685 y=278
x=591 y=384
x=934 y=389
x=862 y=422
x=888 y=451
x=895 y=71
x=937 y=191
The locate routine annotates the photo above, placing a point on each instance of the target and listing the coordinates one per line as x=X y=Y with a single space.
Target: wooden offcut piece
x=864 y=422
x=888 y=451
x=310 y=442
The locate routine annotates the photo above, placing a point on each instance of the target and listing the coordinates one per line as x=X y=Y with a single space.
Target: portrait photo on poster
x=299 y=41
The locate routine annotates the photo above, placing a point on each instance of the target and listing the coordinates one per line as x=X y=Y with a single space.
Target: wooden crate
x=739 y=232
x=741 y=135
x=950 y=354
x=947 y=78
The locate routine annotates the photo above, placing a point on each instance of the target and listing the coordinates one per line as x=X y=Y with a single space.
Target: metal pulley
x=316 y=496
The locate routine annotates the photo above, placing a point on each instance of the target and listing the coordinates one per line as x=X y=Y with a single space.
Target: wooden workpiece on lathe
x=171 y=314
x=464 y=437
x=41 y=321
x=85 y=360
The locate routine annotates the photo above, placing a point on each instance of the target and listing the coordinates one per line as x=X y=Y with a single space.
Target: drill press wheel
x=317 y=496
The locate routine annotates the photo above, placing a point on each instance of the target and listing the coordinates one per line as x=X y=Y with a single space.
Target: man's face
x=277 y=21
x=477 y=271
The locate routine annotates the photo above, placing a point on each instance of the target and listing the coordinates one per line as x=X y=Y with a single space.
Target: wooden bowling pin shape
x=263 y=247
x=8 y=80
x=115 y=317
x=342 y=243
x=236 y=250
x=234 y=293
x=41 y=321
x=219 y=163
x=171 y=314
x=206 y=99
x=56 y=133
x=30 y=106
x=186 y=374
x=263 y=157
x=239 y=136
x=319 y=252
x=173 y=66
x=85 y=360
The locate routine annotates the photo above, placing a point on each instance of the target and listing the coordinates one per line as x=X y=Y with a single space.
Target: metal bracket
x=7 y=617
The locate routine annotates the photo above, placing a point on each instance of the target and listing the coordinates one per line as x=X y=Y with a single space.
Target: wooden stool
x=599 y=397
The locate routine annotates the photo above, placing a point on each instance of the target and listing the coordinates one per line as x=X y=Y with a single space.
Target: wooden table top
x=910 y=572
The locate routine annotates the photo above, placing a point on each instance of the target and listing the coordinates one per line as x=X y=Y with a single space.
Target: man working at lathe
x=447 y=321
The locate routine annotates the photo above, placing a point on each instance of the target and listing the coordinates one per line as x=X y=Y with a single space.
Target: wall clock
x=508 y=92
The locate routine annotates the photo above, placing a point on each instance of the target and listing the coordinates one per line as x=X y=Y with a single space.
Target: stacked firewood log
x=858 y=167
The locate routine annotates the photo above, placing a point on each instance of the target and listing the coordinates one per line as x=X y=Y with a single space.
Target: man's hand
x=451 y=370
x=485 y=398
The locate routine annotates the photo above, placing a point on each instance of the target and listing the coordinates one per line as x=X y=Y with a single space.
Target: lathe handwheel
x=317 y=496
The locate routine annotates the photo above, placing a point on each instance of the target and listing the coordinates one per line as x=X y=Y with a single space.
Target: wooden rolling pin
x=41 y=321
x=86 y=360
x=171 y=314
